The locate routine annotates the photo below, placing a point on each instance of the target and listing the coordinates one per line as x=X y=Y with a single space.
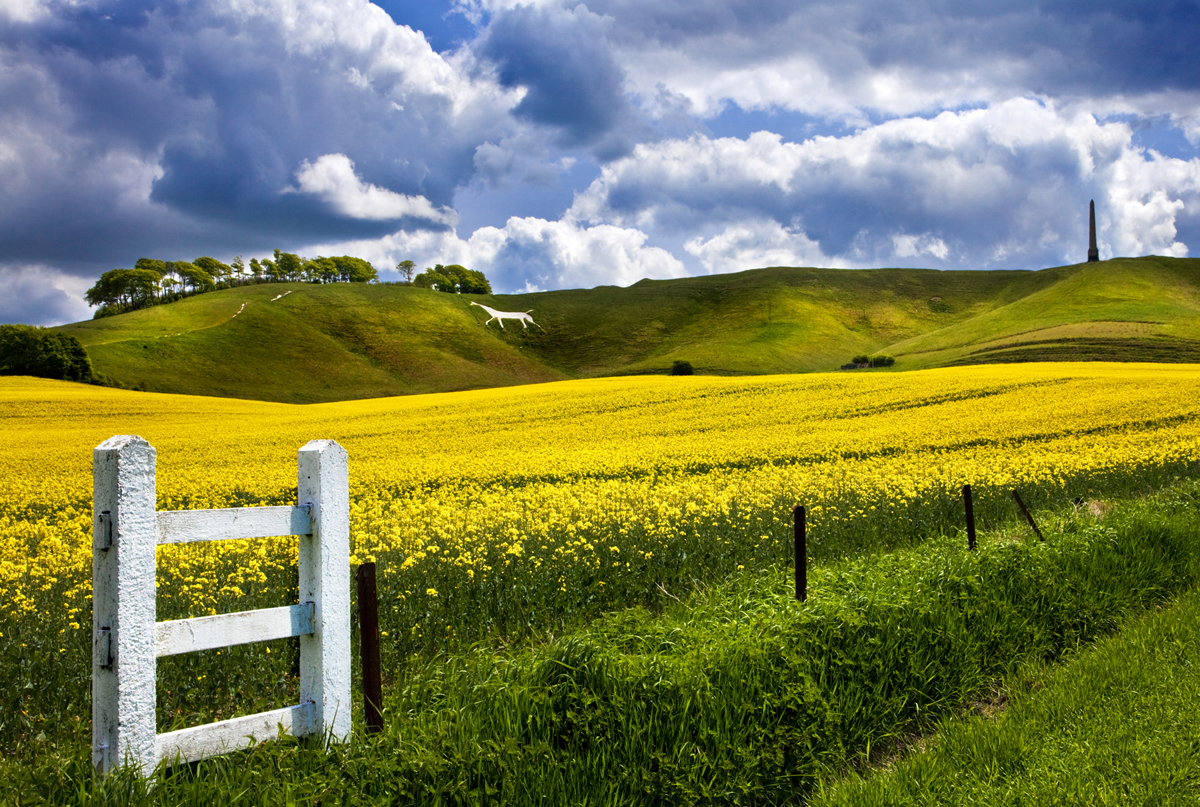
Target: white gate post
x=124 y=536
x=324 y=560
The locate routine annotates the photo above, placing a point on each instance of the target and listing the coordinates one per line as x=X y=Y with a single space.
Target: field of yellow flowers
x=498 y=513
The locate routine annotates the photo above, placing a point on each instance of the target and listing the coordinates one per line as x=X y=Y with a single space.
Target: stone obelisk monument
x=1093 y=253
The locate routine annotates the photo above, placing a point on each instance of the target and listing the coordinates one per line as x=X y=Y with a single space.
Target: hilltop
x=303 y=343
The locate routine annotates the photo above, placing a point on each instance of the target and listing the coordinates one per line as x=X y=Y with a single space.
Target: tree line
x=30 y=350
x=152 y=281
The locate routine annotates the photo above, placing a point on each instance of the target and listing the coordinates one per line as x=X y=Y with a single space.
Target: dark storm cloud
x=573 y=83
x=139 y=127
x=37 y=295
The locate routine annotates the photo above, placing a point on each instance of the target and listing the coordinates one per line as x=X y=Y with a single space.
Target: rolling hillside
x=336 y=342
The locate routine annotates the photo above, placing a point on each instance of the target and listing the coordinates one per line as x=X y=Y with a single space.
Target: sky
x=557 y=144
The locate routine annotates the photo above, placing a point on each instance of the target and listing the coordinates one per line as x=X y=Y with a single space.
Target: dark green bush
x=682 y=368
x=29 y=350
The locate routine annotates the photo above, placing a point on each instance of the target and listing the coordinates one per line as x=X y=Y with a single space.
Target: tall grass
x=1118 y=725
x=740 y=695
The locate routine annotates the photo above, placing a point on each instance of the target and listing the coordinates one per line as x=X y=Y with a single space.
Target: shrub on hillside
x=882 y=360
x=682 y=368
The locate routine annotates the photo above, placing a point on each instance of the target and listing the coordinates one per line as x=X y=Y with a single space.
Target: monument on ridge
x=1093 y=253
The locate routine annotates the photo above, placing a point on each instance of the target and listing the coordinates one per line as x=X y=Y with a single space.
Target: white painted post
x=124 y=536
x=128 y=640
x=324 y=485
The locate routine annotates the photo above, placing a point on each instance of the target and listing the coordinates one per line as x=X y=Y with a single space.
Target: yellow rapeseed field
x=496 y=510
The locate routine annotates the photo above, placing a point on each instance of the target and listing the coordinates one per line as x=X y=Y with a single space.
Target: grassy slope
x=319 y=343
x=1136 y=305
x=1117 y=726
x=324 y=343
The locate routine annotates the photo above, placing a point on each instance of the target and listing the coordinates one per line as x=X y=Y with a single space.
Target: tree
x=238 y=266
x=289 y=265
x=323 y=269
x=468 y=281
x=153 y=265
x=170 y=278
x=354 y=270
x=406 y=269
x=434 y=279
x=216 y=270
x=62 y=356
x=454 y=279
x=29 y=350
x=108 y=291
x=256 y=268
x=682 y=368
x=18 y=349
x=193 y=276
x=142 y=286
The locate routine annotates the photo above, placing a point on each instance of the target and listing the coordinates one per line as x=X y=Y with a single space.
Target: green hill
x=342 y=341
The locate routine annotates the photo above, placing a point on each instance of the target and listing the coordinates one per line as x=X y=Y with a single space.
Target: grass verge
x=1118 y=725
x=739 y=696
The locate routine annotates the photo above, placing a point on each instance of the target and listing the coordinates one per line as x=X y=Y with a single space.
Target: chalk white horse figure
x=500 y=316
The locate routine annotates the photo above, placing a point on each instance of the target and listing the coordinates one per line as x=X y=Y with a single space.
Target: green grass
x=343 y=341
x=738 y=695
x=1118 y=725
x=317 y=343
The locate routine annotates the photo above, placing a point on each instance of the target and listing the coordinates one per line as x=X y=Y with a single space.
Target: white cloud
x=331 y=178
x=563 y=254
x=1008 y=183
x=22 y=10
x=909 y=246
x=528 y=253
x=1146 y=227
x=758 y=243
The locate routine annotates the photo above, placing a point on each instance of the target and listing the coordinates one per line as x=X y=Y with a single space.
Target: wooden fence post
x=1028 y=516
x=124 y=537
x=324 y=485
x=368 y=642
x=970 y=518
x=801 y=528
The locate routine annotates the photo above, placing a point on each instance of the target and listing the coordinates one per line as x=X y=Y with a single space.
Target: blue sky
x=565 y=145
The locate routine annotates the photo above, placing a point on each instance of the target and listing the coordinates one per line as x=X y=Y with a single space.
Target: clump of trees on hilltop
x=453 y=279
x=152 y=282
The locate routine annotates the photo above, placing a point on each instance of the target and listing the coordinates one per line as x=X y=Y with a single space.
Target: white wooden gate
x=127 y=639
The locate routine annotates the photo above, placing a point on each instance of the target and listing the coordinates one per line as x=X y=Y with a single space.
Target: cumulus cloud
x=758 y=243
x=560 y=58
x=133 y=128
x=908 y=246
x=332 y=179
x=1001 y=185
x=530 y=254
